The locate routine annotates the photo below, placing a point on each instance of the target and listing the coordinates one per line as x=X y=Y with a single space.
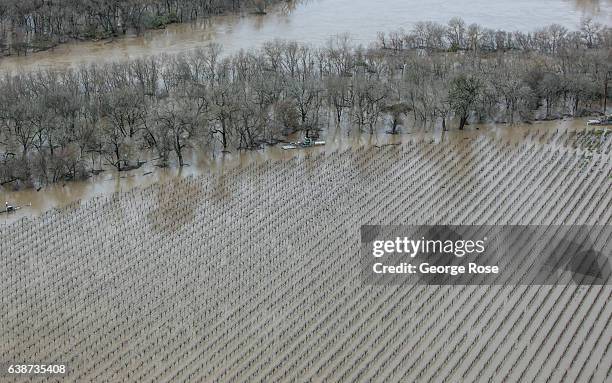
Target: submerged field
x=253 y=275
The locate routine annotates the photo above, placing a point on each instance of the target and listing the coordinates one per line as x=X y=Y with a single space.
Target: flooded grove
x=310 y=21
x=200 y=162
x=314 y=22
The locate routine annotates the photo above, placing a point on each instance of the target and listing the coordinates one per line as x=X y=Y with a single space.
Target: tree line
x=66 y=125
x=27 y=25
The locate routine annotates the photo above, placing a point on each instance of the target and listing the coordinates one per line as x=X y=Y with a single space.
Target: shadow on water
x=175 y=205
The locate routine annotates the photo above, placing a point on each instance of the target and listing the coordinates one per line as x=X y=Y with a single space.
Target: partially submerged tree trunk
x=605 y=93
x=463 y=121
x=178 y=148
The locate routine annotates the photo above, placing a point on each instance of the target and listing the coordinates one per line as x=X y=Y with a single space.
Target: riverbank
x=41 y=27
x=312 y=23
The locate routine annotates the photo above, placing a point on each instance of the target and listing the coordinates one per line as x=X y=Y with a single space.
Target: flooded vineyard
x=253 y=275
x=215 y=232
x=314 y=22
x=36 y=202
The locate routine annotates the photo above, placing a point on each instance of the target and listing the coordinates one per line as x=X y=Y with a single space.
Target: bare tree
x=463 y=95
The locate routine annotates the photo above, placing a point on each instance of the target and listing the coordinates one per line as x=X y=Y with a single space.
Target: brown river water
x=310 y=21
x=314 y=22
x=200 y=162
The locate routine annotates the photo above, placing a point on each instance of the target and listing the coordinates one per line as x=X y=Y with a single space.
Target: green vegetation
x=160 y=21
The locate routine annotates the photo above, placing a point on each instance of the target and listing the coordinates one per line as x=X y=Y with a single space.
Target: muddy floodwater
x=310 y=21
x=59 y=195
x=259 y=276
x=314 y=21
